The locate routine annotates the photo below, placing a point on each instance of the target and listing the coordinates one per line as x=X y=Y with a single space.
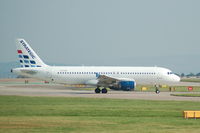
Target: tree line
x=190 y=75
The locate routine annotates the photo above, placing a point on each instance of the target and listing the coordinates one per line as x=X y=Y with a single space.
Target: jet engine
x=124 y=85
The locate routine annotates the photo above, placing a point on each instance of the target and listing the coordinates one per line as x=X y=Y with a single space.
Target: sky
x=163 y=33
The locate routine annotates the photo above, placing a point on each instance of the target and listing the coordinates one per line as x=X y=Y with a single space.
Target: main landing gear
x=98 y=90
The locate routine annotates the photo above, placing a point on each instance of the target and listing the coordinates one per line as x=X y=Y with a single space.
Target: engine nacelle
x=124 y=85
x=127 y=85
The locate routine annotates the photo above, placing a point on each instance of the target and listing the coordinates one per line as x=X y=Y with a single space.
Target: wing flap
x=107 y=81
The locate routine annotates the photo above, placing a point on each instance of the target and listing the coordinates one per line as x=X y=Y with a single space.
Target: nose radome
x=177 y=78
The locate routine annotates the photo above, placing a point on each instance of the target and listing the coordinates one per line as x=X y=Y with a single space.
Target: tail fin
x=27 y=57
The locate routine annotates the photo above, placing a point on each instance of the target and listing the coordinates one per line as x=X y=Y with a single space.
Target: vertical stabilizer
x=26 y=55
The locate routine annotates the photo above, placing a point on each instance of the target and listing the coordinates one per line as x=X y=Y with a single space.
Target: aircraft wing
x=108 y=81
x=104 y=80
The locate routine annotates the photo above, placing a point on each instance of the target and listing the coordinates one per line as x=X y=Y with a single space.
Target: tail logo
x=28 y=50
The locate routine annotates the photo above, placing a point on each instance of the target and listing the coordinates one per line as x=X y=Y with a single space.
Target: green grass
x=187 y=95
x=87 y=115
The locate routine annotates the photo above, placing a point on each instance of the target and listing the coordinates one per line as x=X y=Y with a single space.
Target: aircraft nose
x=177 y=78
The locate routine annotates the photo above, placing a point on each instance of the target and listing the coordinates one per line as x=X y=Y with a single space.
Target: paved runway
x=63 y=91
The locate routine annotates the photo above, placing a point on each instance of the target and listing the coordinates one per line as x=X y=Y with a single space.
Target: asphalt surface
x=63 y=91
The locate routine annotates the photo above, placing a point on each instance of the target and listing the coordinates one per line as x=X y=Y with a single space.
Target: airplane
x=102 y=77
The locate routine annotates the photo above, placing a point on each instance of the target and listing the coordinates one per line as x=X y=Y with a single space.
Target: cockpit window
x=169 y=73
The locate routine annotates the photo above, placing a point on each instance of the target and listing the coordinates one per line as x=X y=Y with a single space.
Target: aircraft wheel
x=104 y=90
x=157 y=91
x=97 y=90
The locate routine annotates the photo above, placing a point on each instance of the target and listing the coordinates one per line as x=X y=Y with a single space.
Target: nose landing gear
x=157 y=91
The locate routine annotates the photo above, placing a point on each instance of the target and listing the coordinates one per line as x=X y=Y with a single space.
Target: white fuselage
x=88 y=75
x=124 y=78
